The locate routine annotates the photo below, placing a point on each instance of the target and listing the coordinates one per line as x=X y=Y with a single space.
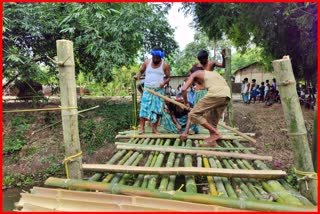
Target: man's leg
x=155 y=125
x=142 y=122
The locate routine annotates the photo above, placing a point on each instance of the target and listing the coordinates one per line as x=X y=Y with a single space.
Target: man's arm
x=167 y=75
x=185 y=87
x=220 y=65
x=142 y=69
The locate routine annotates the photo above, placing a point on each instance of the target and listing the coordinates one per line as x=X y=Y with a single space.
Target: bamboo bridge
x=159 y=173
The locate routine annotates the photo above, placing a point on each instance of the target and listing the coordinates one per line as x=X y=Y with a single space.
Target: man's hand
x=162 y=85
x=184 y=136
x=223 y=52
x=179 y=127
x=136 y=77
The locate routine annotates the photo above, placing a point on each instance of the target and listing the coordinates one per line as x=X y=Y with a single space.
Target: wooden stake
x=296 y=126
x=229 y=118
x=69 y=99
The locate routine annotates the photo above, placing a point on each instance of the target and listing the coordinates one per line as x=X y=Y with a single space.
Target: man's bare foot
x=141 y=131
x=155 y=131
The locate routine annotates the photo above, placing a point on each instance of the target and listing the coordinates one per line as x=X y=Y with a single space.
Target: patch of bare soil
x=269 y=125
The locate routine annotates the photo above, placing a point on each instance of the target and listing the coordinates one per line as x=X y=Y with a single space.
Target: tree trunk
x=10 y=81
x=68 y=96
x=228 y=75
x=296 y=126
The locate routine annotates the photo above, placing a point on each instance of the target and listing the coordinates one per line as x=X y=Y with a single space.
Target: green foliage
x=113 y=118
x=292 y=179
x=106 y=36
x=11 y=180
x=16 y=140
x=278 y=28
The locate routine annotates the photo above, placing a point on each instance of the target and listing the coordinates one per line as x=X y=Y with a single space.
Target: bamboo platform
x=158 y=187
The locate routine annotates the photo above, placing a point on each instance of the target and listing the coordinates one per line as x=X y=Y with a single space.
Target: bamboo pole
x=229 y=118
x=69 y=99
x=288 y=198
x=153 y=162
x=172 y=178
x=202 y=152
x=194 y=197
x=190 y=181
x=185 y=107
x=174 y=136
x=296 y=127
x=187 y=147
x=170 y=162
x=259 y=174
x=315 y=139
x=153 y=180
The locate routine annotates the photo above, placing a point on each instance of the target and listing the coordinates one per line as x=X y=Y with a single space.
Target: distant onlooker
x=253 y=91
x=266 y=89
x=245 y=91
x=261 y=92
x=274 y=84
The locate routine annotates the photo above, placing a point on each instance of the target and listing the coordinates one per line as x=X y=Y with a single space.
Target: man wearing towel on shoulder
x=157 y=75
x=209 y=109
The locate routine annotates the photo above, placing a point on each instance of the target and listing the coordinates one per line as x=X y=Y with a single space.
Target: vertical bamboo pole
x=229 y=118
x=296 y=127
x=68 y=98
x=314 y=139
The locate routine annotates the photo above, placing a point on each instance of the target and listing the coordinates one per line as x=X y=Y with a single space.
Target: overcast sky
x=183 y=34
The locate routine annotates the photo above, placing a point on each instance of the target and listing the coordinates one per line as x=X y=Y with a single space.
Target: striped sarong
x=168 y=124
x=199 y=94
x=151 y=105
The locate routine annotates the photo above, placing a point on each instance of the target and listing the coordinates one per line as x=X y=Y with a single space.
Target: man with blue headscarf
x=157 y=75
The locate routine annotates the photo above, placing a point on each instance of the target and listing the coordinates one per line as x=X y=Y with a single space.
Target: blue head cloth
x=157 y=53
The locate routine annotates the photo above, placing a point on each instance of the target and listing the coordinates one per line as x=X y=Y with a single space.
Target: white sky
x=183 y=33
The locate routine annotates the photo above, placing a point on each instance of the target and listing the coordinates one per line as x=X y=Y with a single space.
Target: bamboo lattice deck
x=200 y=192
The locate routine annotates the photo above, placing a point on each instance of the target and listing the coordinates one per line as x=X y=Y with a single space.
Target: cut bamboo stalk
x=297 y=131
x=172 y=178
x=147 y=177
x=295 y=193
x=175 y=136
x=229 y=117
x=259 y=174
x=186 y=147
x=182 y=196
x=239 y=182
x=286 y=196
x=153 y=179
x=211 y=180
x=140 y=177
x=122 y=161
x=239 y=133
x=170 y=162
x=188 y=151
x=226 y=182
x=68 y=97
x=190 y=181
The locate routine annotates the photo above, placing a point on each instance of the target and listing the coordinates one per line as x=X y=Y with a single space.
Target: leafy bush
x=114 y=118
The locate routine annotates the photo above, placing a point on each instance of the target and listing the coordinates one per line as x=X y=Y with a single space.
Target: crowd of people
x=269 y=94
x=263 y=93
x=205 y=102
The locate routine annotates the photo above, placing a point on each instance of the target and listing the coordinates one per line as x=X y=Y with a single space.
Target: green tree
x=279 y=28
x=106 y=36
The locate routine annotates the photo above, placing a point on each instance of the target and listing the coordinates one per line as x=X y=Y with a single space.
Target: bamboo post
x=314 y=139
x=296 y=126
x=229 y=118
x=68 y=98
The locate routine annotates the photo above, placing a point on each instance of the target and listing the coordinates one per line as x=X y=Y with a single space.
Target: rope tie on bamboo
x=306 y=176
x=43 y=109
x=67 y=159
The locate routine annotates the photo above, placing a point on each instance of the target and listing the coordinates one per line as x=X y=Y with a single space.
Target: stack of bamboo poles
x=128 y=172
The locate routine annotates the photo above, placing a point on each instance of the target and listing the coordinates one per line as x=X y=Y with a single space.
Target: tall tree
x=105 y=35
x=279 y=28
